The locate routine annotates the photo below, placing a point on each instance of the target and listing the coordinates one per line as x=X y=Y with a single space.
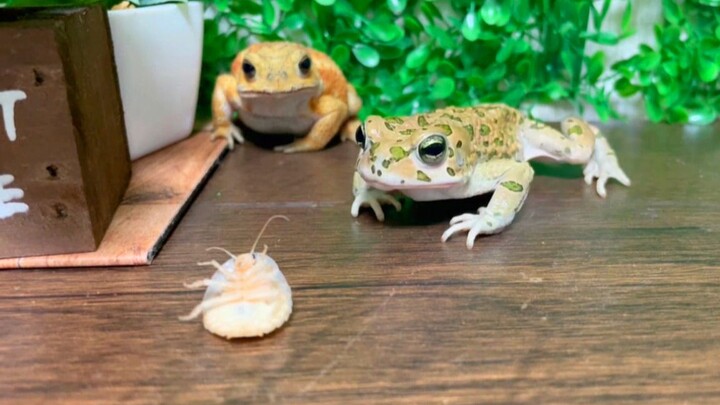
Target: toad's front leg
x=333 y=113
x=510 y=192
x=366 y=195
x=225 y=100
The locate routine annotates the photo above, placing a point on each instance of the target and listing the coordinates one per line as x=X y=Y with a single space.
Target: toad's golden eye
x=304 y=65
x=432 y=150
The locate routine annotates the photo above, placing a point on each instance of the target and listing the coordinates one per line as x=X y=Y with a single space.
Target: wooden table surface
x=581 y=300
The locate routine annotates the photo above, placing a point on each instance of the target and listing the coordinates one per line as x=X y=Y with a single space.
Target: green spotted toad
x=462 y=152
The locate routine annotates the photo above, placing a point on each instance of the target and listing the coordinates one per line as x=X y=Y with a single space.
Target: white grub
x=247 y=296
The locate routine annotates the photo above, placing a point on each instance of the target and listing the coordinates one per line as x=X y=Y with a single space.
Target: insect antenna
x=222 y=250
x=263 y=230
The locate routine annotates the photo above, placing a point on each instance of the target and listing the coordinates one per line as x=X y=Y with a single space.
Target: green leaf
x=672 y=12
x=708 y=70
x=704 y=115
x=442 y=89
x=525 y=69
x=292 y=22
x=717 y=32
x=366 y=55
x=569 y=61
x=494 y=13
x=446 y=68
x=406 y=77
x=554 y=91
x=430 y=11
x=325 y=2
x=506 y=51
x=397 y=6
x=668 y=36
x=601 y=104
x=645 y=78
x=471 y=26
x=384 y=31
x=268 y=13
x=221 y=5
x=673 y=93
x=626 y=68
x=602 y=38
x=652 y=107
x=285 y=5
x=476 y=80
x=445 y=40
x=650 y=61
x=432 y=64
x=664 y=88
x=513 y=96
x=412 y=25
x=595 y=67
x=677 y=114
x=495 y=73
x=340 y=54
x=626 y=24
x=521 y=11
x=417 y=57
x=670 y=67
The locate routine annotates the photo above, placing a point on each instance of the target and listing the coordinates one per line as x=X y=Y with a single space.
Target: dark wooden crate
x=70 y=155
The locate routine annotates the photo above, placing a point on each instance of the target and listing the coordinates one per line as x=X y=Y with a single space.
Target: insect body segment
x=247 y=296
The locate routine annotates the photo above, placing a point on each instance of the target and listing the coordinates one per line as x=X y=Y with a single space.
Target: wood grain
x=162 y=187
x=580 y=301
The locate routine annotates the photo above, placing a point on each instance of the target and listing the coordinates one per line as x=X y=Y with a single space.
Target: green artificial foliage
x=148 y=3
x=678 y=80
x=407 y=56
x=72 y=3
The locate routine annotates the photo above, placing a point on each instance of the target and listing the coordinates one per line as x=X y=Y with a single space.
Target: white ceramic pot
x=158 y=52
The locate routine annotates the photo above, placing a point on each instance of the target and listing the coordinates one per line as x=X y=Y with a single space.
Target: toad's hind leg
x=573 y=145
x=578 y=143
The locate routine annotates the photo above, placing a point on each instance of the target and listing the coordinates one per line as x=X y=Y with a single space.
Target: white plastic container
x=158 y=52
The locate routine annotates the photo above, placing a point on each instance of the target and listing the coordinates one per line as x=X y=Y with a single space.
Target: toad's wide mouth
x=278 y=93
x=397 y=185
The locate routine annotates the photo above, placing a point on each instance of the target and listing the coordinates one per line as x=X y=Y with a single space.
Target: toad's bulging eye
x=248 y=69
x=360 y=136
x=432 y=150
x=304 y=65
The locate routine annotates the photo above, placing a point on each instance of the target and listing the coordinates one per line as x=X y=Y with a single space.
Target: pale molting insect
x=247 y=296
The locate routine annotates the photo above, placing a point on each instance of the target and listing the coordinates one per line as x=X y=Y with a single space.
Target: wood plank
x=580 y=301
x=162 y=187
